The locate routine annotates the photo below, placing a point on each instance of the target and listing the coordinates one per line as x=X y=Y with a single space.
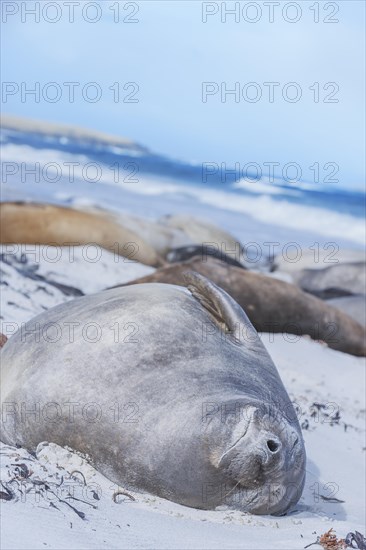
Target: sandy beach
x=54 y=493
x=182 y=275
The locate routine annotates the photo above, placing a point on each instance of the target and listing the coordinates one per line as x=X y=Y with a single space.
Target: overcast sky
x=170 y=51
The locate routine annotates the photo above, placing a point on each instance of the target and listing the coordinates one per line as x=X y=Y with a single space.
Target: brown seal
x=33 y=223
x=273 y=305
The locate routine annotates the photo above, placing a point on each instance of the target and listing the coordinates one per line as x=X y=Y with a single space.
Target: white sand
x=87 y=268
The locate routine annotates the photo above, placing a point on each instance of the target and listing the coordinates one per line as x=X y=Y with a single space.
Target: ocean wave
x=264 y=186
x=265 y=209
x=294 y=216
x=267 y=206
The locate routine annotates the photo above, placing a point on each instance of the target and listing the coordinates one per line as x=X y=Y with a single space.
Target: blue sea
x=83 y=172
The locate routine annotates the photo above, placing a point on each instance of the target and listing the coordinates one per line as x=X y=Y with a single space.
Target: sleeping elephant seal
x=36 y=223
x=217 y=241
x=189 y=406
x=334 y=281
x=354 y=306
x=272 y=305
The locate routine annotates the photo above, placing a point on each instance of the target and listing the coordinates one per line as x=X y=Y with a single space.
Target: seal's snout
x=266 y=465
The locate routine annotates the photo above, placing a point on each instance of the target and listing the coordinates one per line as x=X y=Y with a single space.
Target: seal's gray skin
x=324 y=257
x=204 y=418
x=273 y=305
x=334 y=281
x=354 y=306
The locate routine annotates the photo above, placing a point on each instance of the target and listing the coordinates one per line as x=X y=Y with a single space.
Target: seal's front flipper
x=227 y=313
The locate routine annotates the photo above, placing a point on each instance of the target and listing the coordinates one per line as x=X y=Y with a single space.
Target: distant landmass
x=29 y=125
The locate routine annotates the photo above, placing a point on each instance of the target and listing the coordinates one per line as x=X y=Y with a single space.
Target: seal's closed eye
x=226 y=313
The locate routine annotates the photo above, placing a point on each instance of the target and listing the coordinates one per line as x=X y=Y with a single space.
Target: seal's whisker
x=233 y=489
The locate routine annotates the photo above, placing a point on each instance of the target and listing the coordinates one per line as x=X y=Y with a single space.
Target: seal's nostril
x=272 y=445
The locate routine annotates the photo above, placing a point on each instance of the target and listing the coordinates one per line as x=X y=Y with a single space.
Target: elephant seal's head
x=265 y=464
x=260 y=456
